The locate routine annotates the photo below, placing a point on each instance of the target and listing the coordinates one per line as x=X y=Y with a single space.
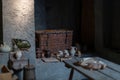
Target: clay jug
x=18 y=54
x=73 y=51
x=60 y=53
x=66 y=53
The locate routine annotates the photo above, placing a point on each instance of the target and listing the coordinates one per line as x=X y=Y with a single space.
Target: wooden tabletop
x=111 y=72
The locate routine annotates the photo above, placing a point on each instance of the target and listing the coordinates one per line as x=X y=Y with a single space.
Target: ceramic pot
x=5 y=48
x=73 y=51
x=18 y=54
x=60 y=53
x=47 y=53
x=66 y=53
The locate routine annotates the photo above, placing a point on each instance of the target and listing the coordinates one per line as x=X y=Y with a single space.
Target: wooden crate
x=54 y=40
x=5 y=74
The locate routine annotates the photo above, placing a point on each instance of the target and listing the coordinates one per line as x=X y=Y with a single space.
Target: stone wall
x=18 y=22
x=1 y=29
x=4 y=57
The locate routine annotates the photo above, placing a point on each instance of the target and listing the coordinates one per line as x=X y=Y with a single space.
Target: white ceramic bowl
x=5 y=49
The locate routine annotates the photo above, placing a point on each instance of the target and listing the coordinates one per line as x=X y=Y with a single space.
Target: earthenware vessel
x=47 y=53
x=18 y=54
x=66 y=53
x=5 y=48
x=60 y=53
x=73 y=51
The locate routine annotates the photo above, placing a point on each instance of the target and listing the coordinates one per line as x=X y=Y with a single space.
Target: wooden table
x=111 y=72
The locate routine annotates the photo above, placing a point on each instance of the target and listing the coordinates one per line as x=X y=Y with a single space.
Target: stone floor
x=56 y=71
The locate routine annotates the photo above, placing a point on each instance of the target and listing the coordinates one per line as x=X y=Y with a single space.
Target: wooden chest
x=54 y=40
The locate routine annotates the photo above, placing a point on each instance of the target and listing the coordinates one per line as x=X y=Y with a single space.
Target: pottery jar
x=18 y=54
x=66 y=53
x=73 y=51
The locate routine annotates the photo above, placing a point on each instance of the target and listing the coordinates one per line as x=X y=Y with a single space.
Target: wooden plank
x=95 y=75
x=50 y=59
x=111 y=65
x=111 y=73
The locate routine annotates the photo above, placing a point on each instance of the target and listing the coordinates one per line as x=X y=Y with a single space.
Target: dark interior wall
x=40 y=15
x=64 y=14
x=58 y=14
x=107 y=22
x=111 y=23
x=87 y=23
x=55 y=14
x=116 y=25
x=1 y=26
x=104 y=23
x=78 y=15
